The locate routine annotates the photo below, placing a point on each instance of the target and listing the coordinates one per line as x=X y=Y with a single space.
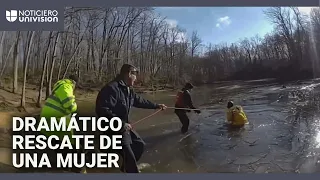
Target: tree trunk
x=53 y=61
x=44 y=67
x=2 y=47
x=6 y=60
x=15 y=64
x=26 y=60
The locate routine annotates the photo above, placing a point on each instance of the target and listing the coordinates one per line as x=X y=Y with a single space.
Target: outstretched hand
x=162 y=106
x=127 y=126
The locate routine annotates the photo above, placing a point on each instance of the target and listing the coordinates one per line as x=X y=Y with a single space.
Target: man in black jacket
x=115 y=100
x=184 y=101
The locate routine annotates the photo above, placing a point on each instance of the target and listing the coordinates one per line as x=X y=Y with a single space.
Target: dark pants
x=184 y=119
x=131 y=153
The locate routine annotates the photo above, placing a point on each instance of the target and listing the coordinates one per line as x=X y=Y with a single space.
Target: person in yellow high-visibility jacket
x=62 y=103
x=236 y=117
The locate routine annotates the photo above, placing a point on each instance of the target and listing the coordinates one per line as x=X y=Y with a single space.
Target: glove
x=197 y=111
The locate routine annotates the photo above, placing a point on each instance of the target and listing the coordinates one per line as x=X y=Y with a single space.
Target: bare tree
x=195 y=42
x=15 y=64
x=2 y=47
x=44 y=67
x=96 y=41
x=26 y=62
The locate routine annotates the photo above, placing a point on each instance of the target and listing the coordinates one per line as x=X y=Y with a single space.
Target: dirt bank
x=10 y=102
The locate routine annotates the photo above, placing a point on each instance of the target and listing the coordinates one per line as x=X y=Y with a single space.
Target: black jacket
x=187 y=100
x=115 y=100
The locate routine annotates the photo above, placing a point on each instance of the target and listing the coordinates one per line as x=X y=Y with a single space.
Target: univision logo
x=32 y=16
x=12 y=15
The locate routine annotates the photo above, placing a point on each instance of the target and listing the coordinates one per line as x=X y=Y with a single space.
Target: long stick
x=183 y=108
x=190 y=109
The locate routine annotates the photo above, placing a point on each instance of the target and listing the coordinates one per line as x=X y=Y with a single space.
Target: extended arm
x=139 y=102
x=189 y=102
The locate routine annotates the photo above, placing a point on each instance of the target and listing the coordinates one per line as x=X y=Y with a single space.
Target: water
x=283 y=134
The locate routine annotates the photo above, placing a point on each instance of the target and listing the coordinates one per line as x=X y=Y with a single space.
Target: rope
x=190 y=109
x=187 y=109
x=153 y=115
x=146 y=117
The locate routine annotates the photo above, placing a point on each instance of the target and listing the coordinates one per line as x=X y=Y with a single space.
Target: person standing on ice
x=62 y=103
x=115 y=100
x=184 y=102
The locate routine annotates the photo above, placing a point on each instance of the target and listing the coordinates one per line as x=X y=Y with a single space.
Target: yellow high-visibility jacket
x=61 y=103
x=236 y=116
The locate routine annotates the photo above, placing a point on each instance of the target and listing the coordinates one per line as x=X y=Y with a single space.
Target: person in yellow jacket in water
x=62 y=103
x=235 y=115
